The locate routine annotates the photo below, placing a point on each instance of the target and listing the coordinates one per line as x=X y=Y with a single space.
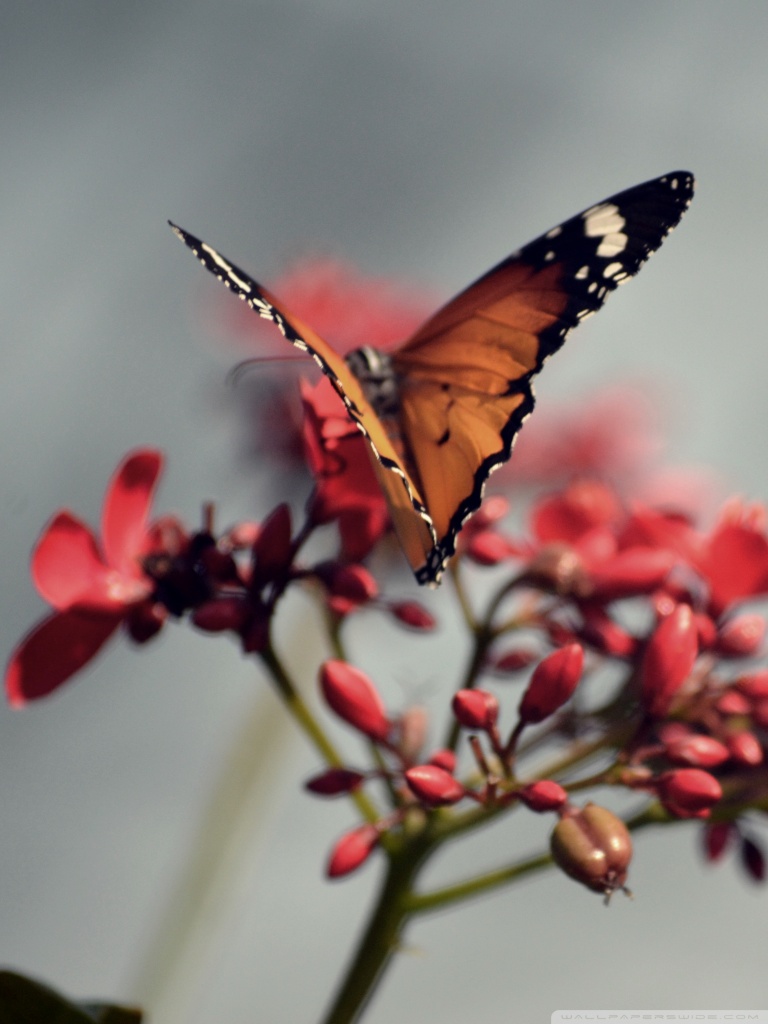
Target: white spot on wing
x=554 y=232
x=612 y=244
x=613 y=269
x=582 y=273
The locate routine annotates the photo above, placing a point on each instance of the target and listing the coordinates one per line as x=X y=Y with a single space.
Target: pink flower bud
x=593 y=846
x=475 y=709
x=334 y=781
x=352 y=695
x=707 y=631
x=433 y=786
x=688 y=792
x=553 y=681
x=543 y=796
x=494 y=508
x=741 y=637
x=668 y=660
x=487 y=548
x=413 y=726
x=697 y=751
x=753 y=859
x=352 y=850
x=413 y=614
x=745 y=748
x=445 y=759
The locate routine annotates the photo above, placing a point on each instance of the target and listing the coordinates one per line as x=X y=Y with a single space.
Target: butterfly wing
x=466 y=375
x=409 y=516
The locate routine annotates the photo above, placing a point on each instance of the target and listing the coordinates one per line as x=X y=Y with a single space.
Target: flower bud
x=688 y=792
x=222 y=613
x=754 y=685
x=636 y=570
x=412 y=728
x=352 y=850
x=732 y=702
x=745 y=748
x=553 y=681
x=716 y=838
x=697 y=751
x=445 y=759
x=412 y=614
x=593 y=846
x=668 y=660
x=753 y=859
x=352 y=695
x=272 y=547
x=544 y=795
x=513 y=660
x=433 y=786
x=487 y=548
x=741 y=637
x=475 y=709
x=334 y=781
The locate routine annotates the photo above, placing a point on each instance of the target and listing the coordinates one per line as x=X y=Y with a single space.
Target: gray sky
x=423 y=140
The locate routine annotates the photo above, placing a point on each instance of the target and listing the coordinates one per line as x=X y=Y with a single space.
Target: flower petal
x=67 y=566
x=60 y=646
x=126 y=507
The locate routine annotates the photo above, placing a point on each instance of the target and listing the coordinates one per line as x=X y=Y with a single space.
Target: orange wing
x=466 y=376
x=411 y=522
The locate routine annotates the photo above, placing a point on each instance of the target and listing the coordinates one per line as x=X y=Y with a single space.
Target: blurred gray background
x=425 y=140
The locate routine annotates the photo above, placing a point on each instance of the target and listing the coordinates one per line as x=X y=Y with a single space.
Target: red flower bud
x=349 y=585
x=707 y=631
x=352 y=850
x=593 y=846
x=601 y=632
x=222 y=613
x=636 y=570
x=272 y=547
x=352 y=695
x=741 y=637
x=412 y=614
x=433 y=786
x=668 y=660
x=445 y=759
x=716 y=838
x=688 y=792
x=754 y=685
x=475 y=709
x=334 y=781
x=491 y=511
x=512 y=660
x=697 y=751
x=745 y=748
x=753 y=859
x=543 y=796
x=487 y=548
x=553 y=681
x=733 y=703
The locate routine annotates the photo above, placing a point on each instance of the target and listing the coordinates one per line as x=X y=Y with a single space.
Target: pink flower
x=94 y=586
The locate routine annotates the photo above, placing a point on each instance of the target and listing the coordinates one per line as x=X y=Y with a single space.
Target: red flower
x=93 y=587
x=346 y=487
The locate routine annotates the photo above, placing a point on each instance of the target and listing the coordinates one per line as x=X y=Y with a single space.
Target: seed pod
x=594 y=847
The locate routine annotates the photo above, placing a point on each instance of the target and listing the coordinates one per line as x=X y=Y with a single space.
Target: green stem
x=382 y=937
x=310 y=726
x=440 y=898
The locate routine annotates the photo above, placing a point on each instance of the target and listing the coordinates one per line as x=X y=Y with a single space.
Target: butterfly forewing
x=465 y=377
x=466 y=374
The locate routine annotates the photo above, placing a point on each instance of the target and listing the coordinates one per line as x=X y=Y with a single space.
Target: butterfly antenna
x=238 y=371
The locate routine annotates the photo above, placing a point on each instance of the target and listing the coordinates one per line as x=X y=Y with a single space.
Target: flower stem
x=382 y=937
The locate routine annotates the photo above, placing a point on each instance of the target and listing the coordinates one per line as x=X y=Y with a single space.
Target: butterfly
x=441 y=412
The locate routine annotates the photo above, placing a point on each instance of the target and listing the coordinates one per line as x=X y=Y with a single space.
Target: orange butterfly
x=442 y=412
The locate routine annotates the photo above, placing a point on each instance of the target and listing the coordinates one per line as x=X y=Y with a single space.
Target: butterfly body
x=442 y=411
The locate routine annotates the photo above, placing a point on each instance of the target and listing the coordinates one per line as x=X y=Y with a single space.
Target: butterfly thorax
x=376 y=376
